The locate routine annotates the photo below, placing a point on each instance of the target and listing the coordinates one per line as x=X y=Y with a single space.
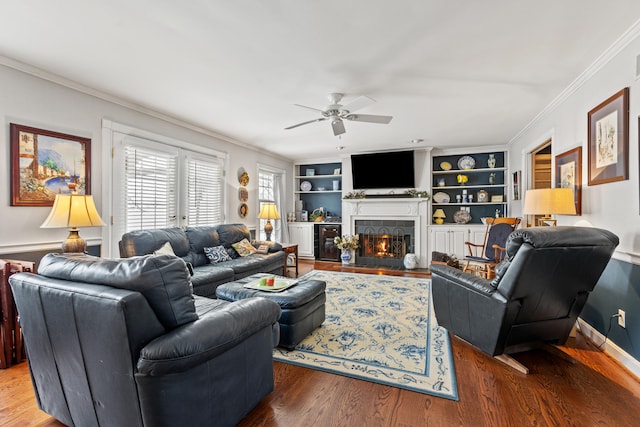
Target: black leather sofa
x=125 y=343
x=189 y=244
x=537 y=295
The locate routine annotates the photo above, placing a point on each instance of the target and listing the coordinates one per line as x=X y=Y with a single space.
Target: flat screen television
x=393 y=169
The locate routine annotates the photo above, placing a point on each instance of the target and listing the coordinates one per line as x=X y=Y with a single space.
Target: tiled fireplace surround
x=394 y=213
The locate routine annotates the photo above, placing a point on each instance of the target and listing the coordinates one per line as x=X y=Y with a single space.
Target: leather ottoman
x=302 y=305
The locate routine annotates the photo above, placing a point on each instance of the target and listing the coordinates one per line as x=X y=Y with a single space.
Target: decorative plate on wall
x=243 y=210
x=244 y=179
x=243 y=194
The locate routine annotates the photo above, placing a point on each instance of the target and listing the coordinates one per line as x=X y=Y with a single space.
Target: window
x=159 y=185
x=266 y=193
x=204 y=190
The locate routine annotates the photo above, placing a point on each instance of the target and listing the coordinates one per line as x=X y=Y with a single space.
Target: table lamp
x=439 y=216
x=73 y=211
x=268 y=211
x=547 y=202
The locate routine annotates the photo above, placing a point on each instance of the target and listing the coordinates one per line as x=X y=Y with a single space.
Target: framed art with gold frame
x=45 y=163
x=608 y=144
x=569 y=174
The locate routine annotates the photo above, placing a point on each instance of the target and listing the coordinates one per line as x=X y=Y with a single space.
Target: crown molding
x=63 y=81
x=623 y=41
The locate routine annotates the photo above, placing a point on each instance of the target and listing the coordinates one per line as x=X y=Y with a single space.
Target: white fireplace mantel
x=392 y=208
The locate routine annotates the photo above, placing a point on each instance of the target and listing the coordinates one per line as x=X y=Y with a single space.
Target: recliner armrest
x=215 y=332
x=463 y=279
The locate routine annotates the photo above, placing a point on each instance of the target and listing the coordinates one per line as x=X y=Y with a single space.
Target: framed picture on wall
x=517 y=178
x=608 y=147
x=45 y=163
x=569 y=174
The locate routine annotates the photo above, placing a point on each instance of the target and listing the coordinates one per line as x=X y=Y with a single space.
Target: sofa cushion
x=256 y=263
x=206 y=278
x=244 y=248
x=163 y=280
x=199 y=238
x=142 y=242
x=232 y=233
x=217 y=254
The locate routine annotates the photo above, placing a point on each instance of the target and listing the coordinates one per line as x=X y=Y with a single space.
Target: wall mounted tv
x=393 y=169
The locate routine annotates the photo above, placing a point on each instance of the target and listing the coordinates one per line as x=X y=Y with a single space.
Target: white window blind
x=205 y=181
x=150 y=188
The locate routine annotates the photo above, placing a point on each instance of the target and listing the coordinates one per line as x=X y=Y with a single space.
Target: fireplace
x=403 y=220
x=384 y=242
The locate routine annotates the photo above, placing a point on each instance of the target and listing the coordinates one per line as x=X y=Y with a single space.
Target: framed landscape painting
x=608 y=145
x=569 y=174
x=45 y=163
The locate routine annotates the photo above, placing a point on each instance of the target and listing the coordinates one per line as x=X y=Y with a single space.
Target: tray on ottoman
x=302 y=304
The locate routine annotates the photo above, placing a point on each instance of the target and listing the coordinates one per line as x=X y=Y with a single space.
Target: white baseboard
x=624 y=358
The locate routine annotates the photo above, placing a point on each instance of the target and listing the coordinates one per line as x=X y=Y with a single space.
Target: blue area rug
x=380 y=329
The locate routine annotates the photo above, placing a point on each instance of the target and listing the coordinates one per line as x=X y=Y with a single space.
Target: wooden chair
x=487 y=255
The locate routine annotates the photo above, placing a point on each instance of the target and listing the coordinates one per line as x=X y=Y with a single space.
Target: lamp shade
x=548 y=201
x=268 y=210
x=72 y=211
x=439 y=213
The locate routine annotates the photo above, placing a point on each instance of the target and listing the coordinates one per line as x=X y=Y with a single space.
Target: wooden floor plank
x=595 y=391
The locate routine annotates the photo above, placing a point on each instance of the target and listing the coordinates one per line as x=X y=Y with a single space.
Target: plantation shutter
x=204 y=204
x=150 y=189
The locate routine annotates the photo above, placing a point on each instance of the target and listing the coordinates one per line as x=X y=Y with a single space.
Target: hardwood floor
x=596 y=391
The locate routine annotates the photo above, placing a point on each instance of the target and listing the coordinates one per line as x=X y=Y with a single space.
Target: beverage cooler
x=325 y=247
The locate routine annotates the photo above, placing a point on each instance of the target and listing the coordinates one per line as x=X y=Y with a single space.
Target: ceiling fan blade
x=309 y=108
x=338 y=127
x=369 y=118
x=358 y=103
x=306 y=123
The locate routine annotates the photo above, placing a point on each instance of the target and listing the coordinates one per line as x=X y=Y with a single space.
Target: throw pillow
x=217 y=254
x=244 y=248
x=165 y=249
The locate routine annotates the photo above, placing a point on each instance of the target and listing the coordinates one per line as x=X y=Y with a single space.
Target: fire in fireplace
x=384 y=243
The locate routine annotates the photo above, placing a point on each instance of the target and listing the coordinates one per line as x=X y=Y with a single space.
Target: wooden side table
x=12 y=350
x=289 y=248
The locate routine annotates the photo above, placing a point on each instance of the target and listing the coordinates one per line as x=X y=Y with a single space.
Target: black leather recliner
x=126 y=343
x=537 y=295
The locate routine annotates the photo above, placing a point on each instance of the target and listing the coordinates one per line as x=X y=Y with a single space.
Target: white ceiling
x=453 y=73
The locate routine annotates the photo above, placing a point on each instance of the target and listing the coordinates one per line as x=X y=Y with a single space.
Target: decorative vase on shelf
x=345 y=256
x=491 y=162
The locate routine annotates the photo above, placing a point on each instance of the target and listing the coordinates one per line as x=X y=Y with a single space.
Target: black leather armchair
x=537 y=294
x=125 y=343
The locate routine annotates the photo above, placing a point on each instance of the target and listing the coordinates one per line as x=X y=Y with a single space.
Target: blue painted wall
x=618 y=287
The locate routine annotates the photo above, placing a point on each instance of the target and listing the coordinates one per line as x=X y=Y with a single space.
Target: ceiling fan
x=337 y=113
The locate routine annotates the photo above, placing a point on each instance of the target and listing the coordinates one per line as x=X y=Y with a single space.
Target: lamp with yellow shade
x=547 y=202
x=73 y=211
x=439 y=216
x=268 y=211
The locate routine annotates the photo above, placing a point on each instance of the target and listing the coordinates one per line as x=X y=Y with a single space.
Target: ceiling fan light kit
x=337 y=112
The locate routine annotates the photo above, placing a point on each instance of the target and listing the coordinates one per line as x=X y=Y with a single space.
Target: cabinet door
x=457 y=237
x=302 y=234
x=440 y=239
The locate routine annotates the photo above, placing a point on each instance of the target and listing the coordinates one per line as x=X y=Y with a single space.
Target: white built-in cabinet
x=451 y=239
x=302 y=234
